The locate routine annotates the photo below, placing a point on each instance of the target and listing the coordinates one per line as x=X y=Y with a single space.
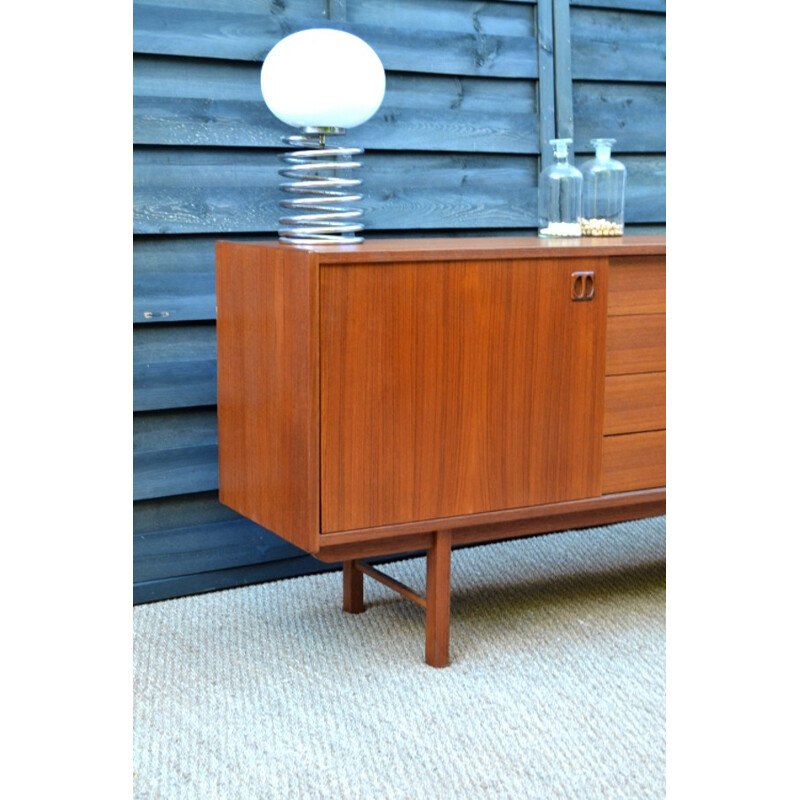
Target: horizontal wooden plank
x=441 y=52
x=182 y=585
x=624 y=5
x=331 y=8
x=159 y=431
x=634 y=461
x=173 y=344
x=178 y=471
x=233 y=35
x=636 y=343
x=204 y=191
x=617 y=45
x=169 y=513
x=174 y=297
x=174 y=384
x=200 y=191
x=174 y=366
x=237 y=123
x=633 y=114
x=281 y=9
x=645 y=188
x=239 y=31
x=174 y=453
x=465 y=16
x=635 y=403
x=173 y=279
x=190 y=102
x=193 y=102
x=167 y=77
x=206 y=547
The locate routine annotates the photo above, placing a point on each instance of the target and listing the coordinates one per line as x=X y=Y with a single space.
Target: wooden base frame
x=437 y=545
x=436 y=601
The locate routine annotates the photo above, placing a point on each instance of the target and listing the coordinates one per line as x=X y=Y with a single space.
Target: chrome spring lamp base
x=320 y=190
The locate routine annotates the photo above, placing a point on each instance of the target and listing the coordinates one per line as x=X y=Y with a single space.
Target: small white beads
x=600 y=227
x=561 y=229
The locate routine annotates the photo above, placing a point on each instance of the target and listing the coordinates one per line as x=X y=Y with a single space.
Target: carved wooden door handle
x=582 y=285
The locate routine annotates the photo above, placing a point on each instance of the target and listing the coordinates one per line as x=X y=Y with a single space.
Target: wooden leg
x=353 y=589
x=437 y=612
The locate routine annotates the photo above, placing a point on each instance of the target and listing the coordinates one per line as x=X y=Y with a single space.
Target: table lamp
x=322 y=81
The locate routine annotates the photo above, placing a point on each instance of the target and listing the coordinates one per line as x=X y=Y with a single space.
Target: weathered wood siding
x=472 y=95
x=615 y=67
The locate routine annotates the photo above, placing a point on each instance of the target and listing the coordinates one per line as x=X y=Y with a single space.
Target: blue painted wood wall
x=474 y=91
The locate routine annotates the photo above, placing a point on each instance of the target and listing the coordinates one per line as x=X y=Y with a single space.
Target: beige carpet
x=556 y=687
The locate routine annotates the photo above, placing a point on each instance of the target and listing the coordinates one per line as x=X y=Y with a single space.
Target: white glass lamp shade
x=322 y=78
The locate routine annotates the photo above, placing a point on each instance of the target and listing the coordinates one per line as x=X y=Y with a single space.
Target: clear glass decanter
x=560 y=194
x=603 y=192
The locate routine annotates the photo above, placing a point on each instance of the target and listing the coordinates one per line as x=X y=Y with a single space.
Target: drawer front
x=635 y=403
x=637 y=285
x=634 y=461
x=636 y=343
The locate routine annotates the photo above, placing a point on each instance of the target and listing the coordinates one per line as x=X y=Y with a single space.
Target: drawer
x=635 y=403
x=636 y=343
x=634 y=461
x=637 y=285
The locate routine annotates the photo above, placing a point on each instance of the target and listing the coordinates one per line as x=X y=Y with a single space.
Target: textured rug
x=556 y=687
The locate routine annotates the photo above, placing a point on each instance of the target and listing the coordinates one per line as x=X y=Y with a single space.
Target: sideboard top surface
x=484 y=247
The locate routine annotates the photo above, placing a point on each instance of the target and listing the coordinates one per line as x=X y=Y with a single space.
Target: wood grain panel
x=174 y=366
x=637 y=285
x=635 y=403
x=174 y=452
x=236 y=123
x=268 y=388
x=624 y=5
x=219 y=103
x=635 y=112
x=201 y=190
x=493 y=18
x=634 y=461
x=205 y=547
x=230 y=34
x=618 y=45
x=636 y=343
x=451 y=388
x=173 y=279
x=175 y=471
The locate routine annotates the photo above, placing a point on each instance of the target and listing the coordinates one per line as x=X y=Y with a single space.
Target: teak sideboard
x=412 y=395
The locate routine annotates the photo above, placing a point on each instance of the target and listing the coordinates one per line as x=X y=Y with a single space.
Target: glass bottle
x=603 y=192
x=560 y=194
